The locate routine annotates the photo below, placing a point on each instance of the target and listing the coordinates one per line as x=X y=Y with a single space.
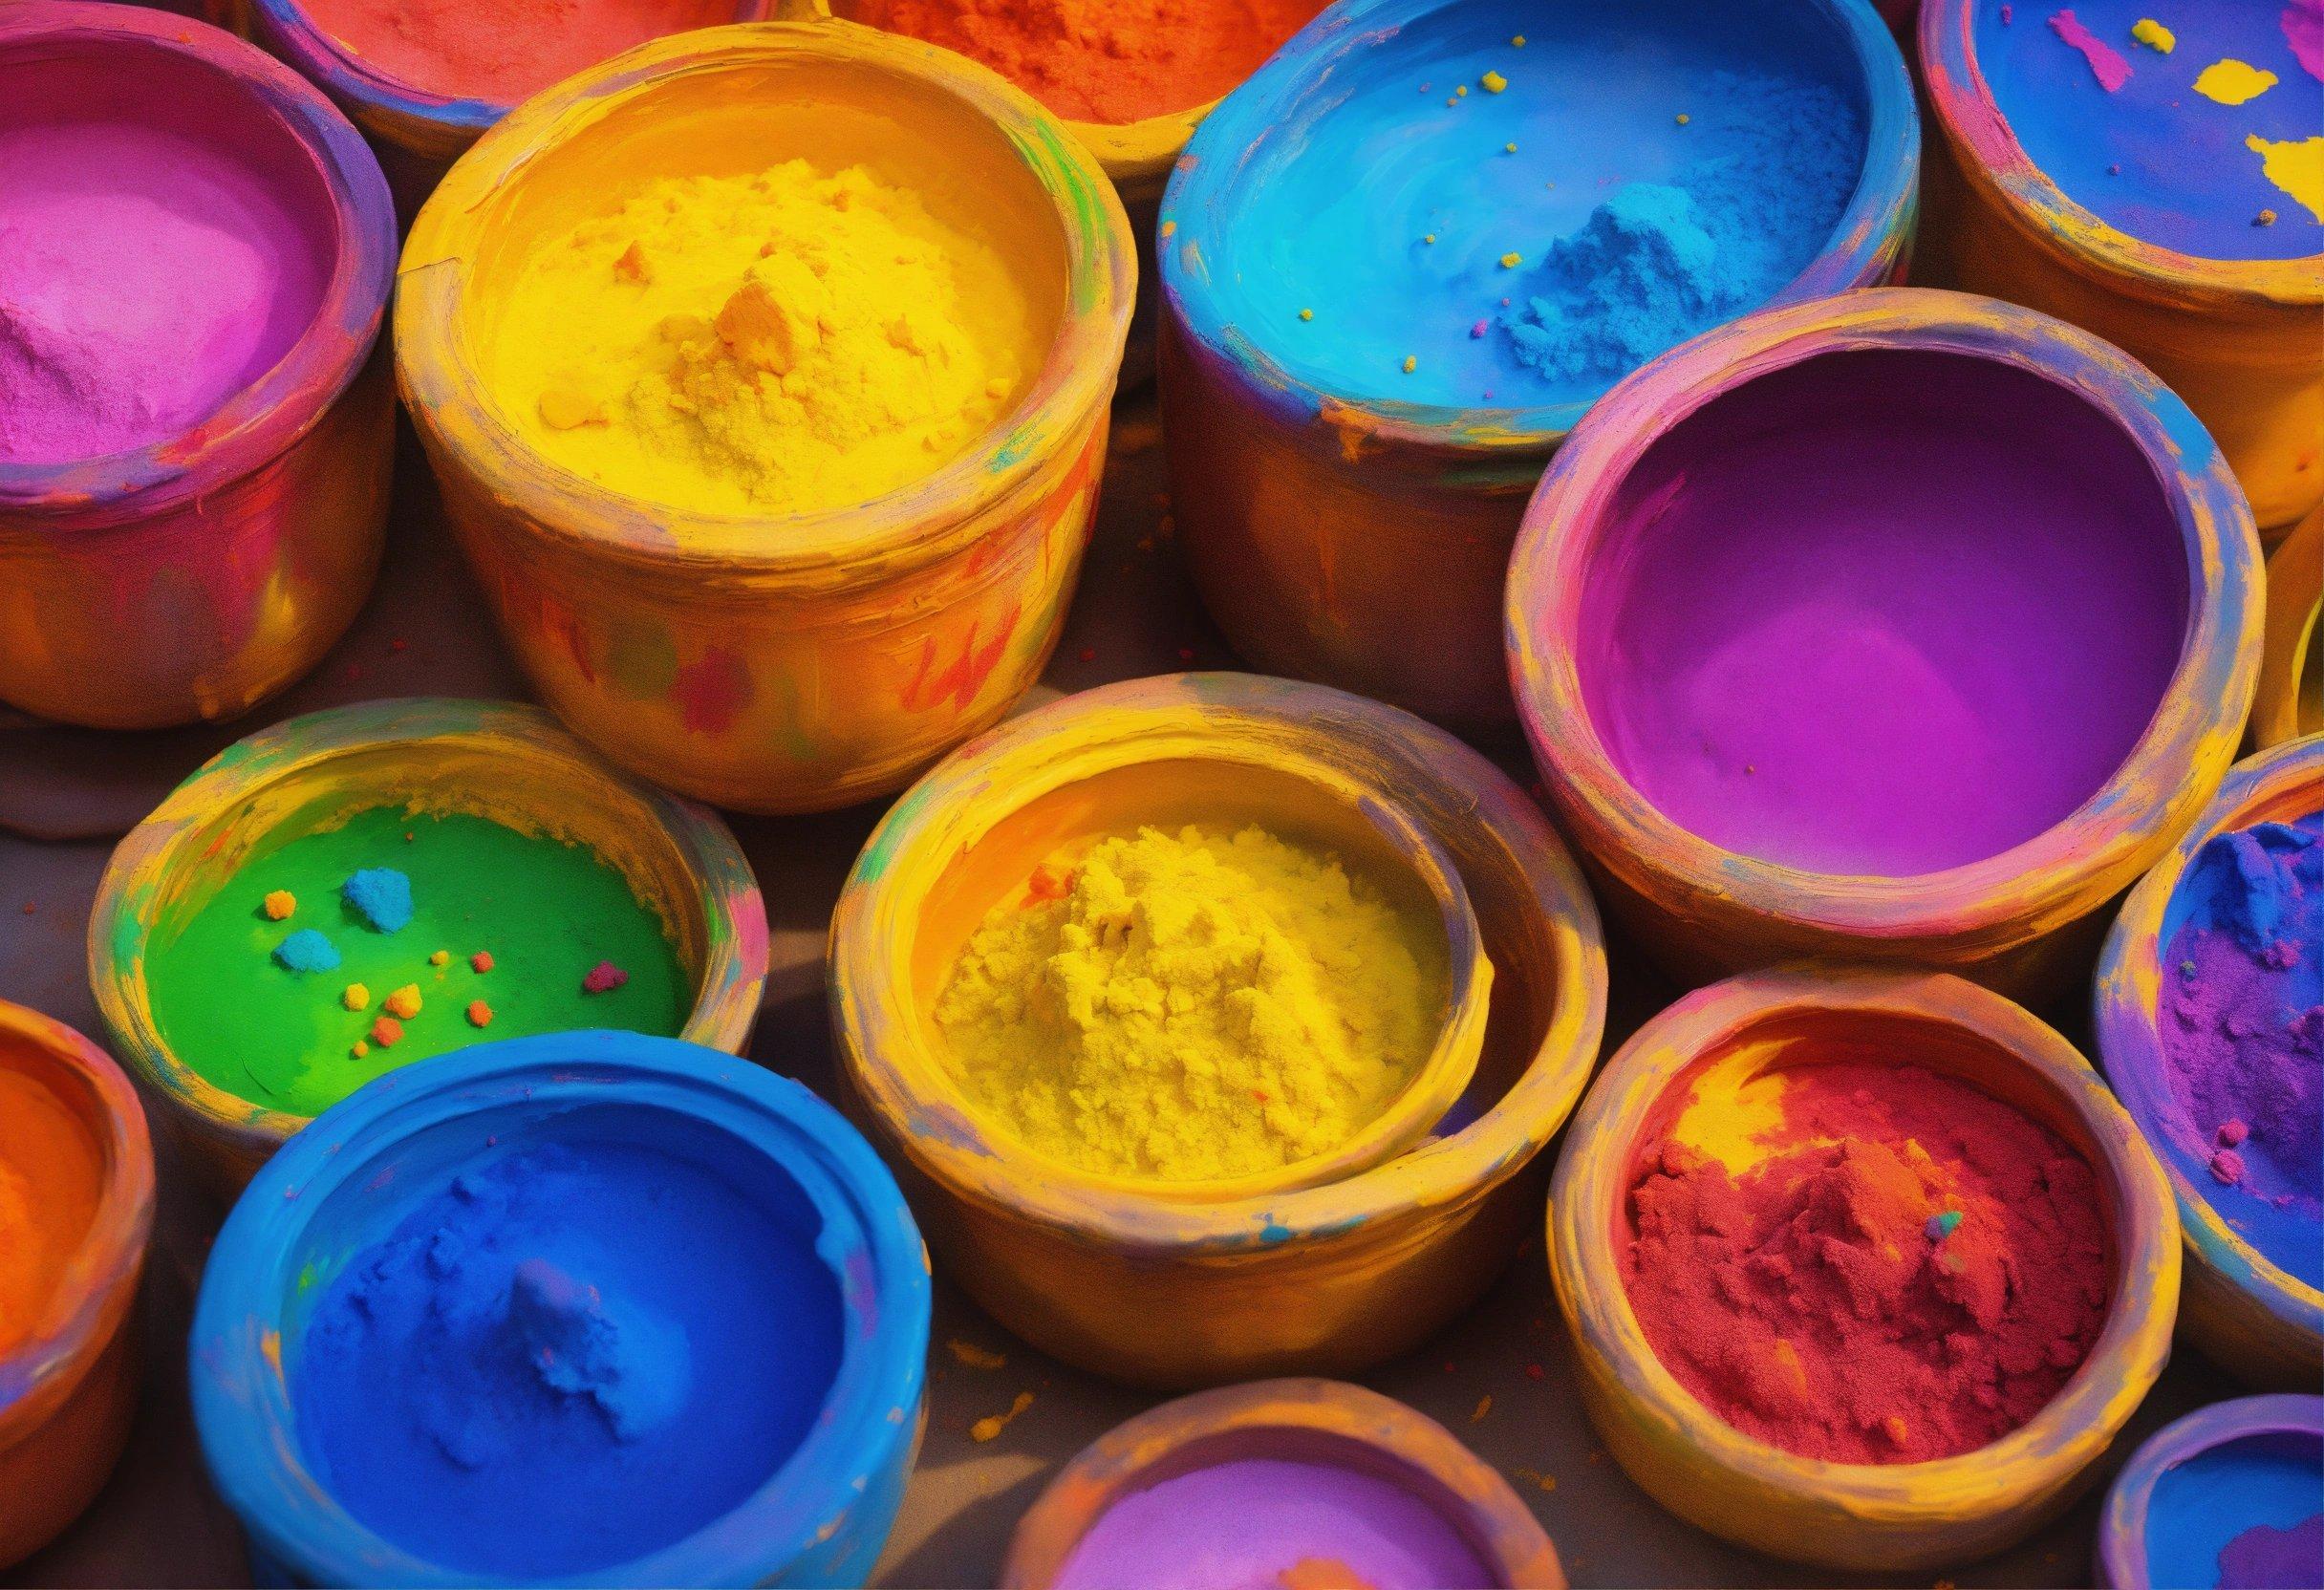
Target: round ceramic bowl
x=2246 y=1313
x=1305 y=510
x=1689 y=427
x=68 y=1386
x=1320 y=1422
x=1155 y=1289
x=2290 y=698
x=417 y=133
x=2236 y=339
x=493 y=759
x=193 y=577
x=2291 y=1427
x=802 y=661
x=1856 y=1517
x=819 y=1518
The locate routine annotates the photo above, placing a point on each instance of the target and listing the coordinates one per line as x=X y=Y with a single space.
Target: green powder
x=544 y=910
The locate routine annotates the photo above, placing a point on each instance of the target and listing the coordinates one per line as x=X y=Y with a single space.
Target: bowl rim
x=870 y=1242
x=1988 y=150
x=2068 y=870
x=1865 y=244
x=1495 y=1522
x=267 y=418
x=2121 y=1534
x=2129 y=1044
x=949 y=1147
x=728 y=988
x=2034 y=1460
x=100 y=1280
x=904 y=528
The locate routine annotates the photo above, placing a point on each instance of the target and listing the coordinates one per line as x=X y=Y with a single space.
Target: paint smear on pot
x=1908 y=1269
x=1102 y=60
x=2246 y=1514
x=498 y=51
x=1264 y=1523
x=571 y=1352
x=163 y=243
x=760 y=345
x=2241 y=1023
x=52 y=1177
x=1639 y=174
x=2164 y=153
x=1881 y=613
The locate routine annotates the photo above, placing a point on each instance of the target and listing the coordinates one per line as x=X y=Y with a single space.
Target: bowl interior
x=1882 y=612
x=113 y=140
x=2245 y=1499
x=57 y=1159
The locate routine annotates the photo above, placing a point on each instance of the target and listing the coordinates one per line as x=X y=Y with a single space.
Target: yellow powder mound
x=2233 y=82
x=1191 y=1005
x=761 y=345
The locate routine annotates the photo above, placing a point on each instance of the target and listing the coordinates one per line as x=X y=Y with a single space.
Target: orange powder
x=500 y=51
x=1104 y=60
x=51 y=1173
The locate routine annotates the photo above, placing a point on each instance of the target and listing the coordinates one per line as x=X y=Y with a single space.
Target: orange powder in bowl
x=499 y=51
x=1102 y=60
x=52 y=1174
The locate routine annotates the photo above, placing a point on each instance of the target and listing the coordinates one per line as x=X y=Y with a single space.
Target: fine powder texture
x=542 y=914
x=1659 y=262
x=1105 y=60
x=2242 y=1024
x=499 y=51
x=145 y=278
x=1263 y=1523
x=574 y=1354
x=1192 y=1005
x=754 y=345
x=2244 y=1514
x=50 y=1179
x=1825 y=1300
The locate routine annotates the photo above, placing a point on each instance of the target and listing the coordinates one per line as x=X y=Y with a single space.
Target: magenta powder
x=160 y=252
x=1883 y=612
x=1271 y=1524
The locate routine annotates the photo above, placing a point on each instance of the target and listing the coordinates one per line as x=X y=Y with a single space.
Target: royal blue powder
x=307 y=951
x=2241 y=1516
x=381 y=896
x=572 y=1354
x=1658 y=263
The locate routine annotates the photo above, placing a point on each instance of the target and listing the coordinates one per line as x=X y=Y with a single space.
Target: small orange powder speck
x=385 y=1031
x=404 y=1002
x=359 y=1048
x=974 y=1356
x=1484 y=1406
x=279 y=904
x=480 y=1014
x=993 y=1423
x=482 y=960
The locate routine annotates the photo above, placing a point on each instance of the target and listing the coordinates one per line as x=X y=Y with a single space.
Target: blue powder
x=2241 y=1514
x=1660 y=262
x=574 y=1353
x=307 y=951
x=381 y=896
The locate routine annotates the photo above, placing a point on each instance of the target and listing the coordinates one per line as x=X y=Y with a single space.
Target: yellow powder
x=763 y=344
x=1192 y=1005
x=2233 y=82
x=2154 y=35
x=2297 y=168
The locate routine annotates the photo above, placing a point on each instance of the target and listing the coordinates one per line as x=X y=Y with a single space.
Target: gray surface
x=157 y=1524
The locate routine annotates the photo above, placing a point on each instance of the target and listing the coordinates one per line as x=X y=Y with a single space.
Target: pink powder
x=2106 y=62
x=2303 y=24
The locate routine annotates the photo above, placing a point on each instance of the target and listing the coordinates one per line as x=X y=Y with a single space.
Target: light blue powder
x=381 y=896
x=1661 y=262
x=306 y=951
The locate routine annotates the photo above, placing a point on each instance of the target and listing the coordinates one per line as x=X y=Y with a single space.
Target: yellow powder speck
x=974 y=1356
x=1509 y=148
x=993 y=1423
x=1191 y=1005
x=1306 y=314
x=359 y=1048
x=1517 y=43
x=2154 y=35
x=1411 y=364
x=440 y=957
x=1462 y=91
x=2297 y=169
x=2233 y=82
x=1683 y=118
x=1510 y=261
x=1493 y=82
x=404 y=1002
x=800 y=340
x=356 y=996
x=1539 y=1480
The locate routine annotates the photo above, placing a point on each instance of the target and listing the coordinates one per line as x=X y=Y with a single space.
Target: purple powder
x=2243 y=1028
x=1268 y=1524
x=1883 y=612
x=2264 y=1557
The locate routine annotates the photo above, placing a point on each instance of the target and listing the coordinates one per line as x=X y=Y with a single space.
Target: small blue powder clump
x=307 y=951
x=381 y=896
x=1660 y=262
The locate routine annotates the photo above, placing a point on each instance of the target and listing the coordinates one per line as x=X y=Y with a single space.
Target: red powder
x=1814 y=1304
x=499 y=51
x=1104 y=60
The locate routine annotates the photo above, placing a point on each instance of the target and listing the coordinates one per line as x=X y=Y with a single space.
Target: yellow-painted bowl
x=2246 y=1313
x=493 y=759
x=1856 y=1517
x=801 y=661
x=1322 y=1421
x=1156 y=1289
x=2289 y=701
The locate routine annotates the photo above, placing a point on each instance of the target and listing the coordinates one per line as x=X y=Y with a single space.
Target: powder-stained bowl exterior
x=1856 y=1518
x=2291 y=698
